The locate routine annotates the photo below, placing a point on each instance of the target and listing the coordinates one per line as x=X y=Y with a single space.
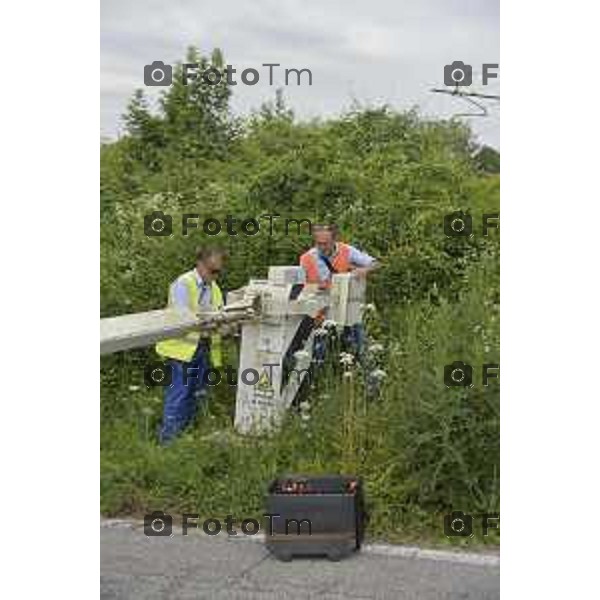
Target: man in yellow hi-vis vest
x=191 y=356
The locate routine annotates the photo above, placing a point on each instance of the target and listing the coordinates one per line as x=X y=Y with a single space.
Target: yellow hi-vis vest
x=184 y=347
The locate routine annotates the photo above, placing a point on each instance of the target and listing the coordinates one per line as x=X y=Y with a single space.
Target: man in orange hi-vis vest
x=330 y=256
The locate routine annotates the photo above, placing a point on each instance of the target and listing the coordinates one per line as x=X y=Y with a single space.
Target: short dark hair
x=204 y=253
x=332 y=227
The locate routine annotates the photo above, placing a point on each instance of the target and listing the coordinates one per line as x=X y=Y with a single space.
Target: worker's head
x=210 y=263
x=325 y=237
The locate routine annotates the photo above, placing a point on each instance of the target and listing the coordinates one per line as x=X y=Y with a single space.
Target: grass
x=423 y=449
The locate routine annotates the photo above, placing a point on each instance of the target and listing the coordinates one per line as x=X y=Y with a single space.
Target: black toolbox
x=315 y=515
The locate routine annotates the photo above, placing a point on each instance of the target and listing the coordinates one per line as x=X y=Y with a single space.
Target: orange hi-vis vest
x=310 y=263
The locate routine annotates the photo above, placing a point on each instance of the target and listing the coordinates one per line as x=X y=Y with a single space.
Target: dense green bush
x=388 y=179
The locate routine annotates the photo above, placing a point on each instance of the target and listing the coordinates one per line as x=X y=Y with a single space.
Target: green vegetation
x=388 y=179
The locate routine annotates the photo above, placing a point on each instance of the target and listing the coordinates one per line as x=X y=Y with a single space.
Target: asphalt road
x=198 y=566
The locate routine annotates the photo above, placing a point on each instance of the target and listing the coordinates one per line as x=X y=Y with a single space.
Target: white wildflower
x=134 y=388
x=346 y=359
x=378 y=374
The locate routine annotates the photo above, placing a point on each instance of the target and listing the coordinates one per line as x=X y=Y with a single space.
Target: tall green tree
x=196 y=108
x=146 y=132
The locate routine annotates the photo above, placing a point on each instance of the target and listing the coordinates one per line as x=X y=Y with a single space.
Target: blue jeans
x=181 y=398
x=353 y=340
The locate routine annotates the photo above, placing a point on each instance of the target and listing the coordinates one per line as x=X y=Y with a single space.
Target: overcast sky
x=370 y=51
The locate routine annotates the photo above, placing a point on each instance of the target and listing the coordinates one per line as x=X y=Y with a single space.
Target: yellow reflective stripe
x=216 y=300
